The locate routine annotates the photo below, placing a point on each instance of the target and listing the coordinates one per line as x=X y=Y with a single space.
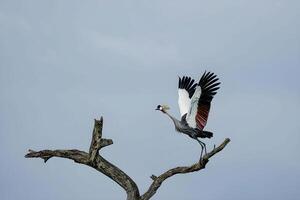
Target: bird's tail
x=205 y=134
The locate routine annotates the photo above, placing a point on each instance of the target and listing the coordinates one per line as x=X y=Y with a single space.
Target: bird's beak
x=156 y=109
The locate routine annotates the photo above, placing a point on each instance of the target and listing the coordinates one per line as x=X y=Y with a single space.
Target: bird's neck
x=171 y=117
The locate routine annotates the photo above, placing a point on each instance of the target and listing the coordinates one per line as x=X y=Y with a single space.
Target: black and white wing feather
x=186 y=89
x=200 y=102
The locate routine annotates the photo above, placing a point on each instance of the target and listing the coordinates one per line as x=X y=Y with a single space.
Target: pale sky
x=64 y=63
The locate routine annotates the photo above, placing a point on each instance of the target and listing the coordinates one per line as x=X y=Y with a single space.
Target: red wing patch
x=202 y=116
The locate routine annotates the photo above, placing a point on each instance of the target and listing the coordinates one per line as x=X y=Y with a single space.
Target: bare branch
x=73 y=154
x=97 y=141
x=94 y=160
x=157 y=181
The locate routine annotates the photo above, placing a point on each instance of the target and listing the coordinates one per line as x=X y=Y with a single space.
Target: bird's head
x=162 y=108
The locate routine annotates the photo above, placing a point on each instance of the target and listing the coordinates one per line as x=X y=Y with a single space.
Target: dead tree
x=96 y=161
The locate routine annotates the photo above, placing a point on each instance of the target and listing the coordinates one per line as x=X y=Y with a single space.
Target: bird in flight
x=194 y=100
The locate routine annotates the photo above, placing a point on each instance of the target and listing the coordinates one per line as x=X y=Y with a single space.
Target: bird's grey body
x=183 y=127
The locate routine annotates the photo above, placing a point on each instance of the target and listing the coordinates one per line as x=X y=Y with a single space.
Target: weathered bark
x=94 y=160
x=157 y=181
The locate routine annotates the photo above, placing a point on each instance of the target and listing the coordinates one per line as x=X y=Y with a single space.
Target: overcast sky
x=64 y=63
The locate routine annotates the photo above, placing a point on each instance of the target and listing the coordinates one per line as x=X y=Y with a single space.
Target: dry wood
x=96 y=161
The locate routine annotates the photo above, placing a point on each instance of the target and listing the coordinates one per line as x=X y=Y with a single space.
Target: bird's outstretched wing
x=186 y=89
x=201 y=100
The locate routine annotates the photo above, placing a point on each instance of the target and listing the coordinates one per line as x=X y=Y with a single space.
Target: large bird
x=194 y=104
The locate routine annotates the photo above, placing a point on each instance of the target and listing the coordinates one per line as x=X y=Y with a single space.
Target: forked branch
x=94 y=160
x=158 y=180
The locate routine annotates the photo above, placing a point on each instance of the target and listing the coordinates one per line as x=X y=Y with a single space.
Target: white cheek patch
x=160 y=108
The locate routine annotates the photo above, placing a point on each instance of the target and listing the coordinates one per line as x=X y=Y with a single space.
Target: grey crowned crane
x=194 y=104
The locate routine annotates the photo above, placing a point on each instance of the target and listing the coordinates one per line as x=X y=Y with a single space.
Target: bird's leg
x=204 y=145
x=204 y=148
x=201 y=144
